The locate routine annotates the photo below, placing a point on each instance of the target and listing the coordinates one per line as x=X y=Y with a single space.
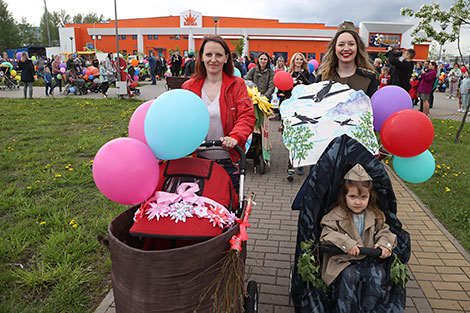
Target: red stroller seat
x=213 y=182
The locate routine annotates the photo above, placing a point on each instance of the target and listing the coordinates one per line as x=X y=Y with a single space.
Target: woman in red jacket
x=231 y=113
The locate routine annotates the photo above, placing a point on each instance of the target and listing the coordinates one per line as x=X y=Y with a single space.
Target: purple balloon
x=84 y=71
x=18 y=55
x=388 y=100
x=62 y=65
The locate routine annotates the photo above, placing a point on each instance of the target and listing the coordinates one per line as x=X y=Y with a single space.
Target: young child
x=355 y=222
x=384 y=77
x=104 y=78
x=48 y=81
x=414 y=88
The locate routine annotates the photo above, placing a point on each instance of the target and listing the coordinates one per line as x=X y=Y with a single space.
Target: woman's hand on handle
x=354 y=251
x=385 y=252
x=228 y=142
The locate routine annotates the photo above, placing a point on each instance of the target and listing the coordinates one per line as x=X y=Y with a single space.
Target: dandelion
x=29 y=187
x=74 y=225
x=447 y=189
x=386 y=161
x=438 y=166
x=58 y=175
x=448 y=167
x=42 y=223
x=72 y=222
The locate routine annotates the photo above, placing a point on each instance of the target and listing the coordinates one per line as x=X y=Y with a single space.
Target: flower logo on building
x=190 y=20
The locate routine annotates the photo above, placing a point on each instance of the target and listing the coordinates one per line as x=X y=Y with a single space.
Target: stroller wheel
x=251 y=300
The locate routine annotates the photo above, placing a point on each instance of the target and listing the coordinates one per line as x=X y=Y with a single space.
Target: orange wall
x=421 y=52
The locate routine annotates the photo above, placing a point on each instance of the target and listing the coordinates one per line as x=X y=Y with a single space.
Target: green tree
x=8 y=29
x=239 y=44
x=88 y=18
x=28 y=35
x=56 y=20
x=364 y=132
x=456 y=17
x=297 y=140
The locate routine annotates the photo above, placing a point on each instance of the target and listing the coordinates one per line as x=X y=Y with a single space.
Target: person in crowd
x=55 y=73
x=378 y=65
x=153 y=67
x=426 y=83
x=241 y=60
x=384 y=78
x=104 y=78
x=400 y=73
x=442 y=69
x=47 y=81
x=161 y=66
x=27 y=74
x=236 y=63
x=346 y=61
x=40 y=65
x=190 y=65
x=232 y=117
x=176 y=61
x=246 y=61
x=465 y=91
x=111 y=68
x=414 y=82
x=281 y=64
x=72 y=65
x=356 y=221
x=96 y=62
x=418 y=68
x=262 y=75
x=4 y=57
x=49 y=63
x=454 y=77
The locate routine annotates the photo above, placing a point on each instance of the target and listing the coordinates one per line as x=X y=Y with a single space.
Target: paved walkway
x=439 y=265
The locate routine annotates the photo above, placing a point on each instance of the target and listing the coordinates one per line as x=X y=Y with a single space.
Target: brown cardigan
x=338 y=229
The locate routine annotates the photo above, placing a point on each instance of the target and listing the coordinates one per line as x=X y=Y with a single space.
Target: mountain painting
x=315 y=114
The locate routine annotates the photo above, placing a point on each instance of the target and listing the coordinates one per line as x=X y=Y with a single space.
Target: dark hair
x=200 y=71
x=363 y=187
x=269 y=60
x=412 y=52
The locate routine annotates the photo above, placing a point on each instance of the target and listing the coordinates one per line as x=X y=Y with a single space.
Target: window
x=281 y=54
x=149 y=37
x=123 y=37
x=255 y=54
x=134 y=37
x=124 y=51
x=321 y=56
x=155 y=37
x=172 y=37
x=93 y=37
x=177 y=37
x=185 y=37
x=134 y=52
x=99 y=37
x=311 y=55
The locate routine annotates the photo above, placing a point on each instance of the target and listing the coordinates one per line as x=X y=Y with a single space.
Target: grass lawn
x=447 y=192
x=51 y=210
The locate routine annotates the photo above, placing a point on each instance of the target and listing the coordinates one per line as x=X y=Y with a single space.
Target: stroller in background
x=6 y=79
x=318 y=193
x=94 y=85
x=75 y=81
x=167 y=273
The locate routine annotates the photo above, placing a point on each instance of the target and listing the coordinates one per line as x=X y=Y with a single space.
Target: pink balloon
x=137 y=121
x=136 y=78
x=88 y=72
x=126 y=171
x=314 y=62
x=62 y=70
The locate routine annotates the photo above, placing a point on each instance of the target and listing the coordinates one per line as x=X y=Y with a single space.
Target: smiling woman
x=346 y=61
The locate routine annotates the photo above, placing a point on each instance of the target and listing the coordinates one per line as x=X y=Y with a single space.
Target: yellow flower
x=386 y=161
x=438 y=166
x=29 y=187
x=72 y=222
x=447 y=189
x=448 y=167
x=74 y=225
x=42 y=223
x=58 y=175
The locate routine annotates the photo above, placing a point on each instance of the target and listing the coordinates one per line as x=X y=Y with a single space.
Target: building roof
x=386 y=27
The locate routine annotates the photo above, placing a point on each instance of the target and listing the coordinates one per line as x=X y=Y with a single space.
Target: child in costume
x=384 y=78
x=414 y=88
x=355 y=222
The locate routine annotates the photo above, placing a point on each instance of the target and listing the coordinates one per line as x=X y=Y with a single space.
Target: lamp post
x=443 y=26
x=117 y=41
x=216 y=20
x=71 y=43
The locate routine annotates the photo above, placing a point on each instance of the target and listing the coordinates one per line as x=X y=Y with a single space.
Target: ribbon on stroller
x=185 y=203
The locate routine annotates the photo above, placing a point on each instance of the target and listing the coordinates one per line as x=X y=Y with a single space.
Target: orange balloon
x=134 y=62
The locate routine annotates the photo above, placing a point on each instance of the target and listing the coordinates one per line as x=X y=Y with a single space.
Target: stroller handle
x=218 y=143
x=375 y=252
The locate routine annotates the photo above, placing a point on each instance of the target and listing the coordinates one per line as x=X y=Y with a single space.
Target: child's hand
x=385 y=252
x=354 y=251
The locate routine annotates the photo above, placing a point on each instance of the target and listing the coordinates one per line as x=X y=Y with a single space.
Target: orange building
x=186 y=31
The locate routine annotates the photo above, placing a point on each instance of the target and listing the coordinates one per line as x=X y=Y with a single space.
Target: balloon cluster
x=442 y=79
x=170 y=127
x=405 y=133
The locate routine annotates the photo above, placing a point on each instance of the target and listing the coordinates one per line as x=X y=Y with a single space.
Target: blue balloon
x=443 y=85
x=176 y=124
x=90 y=77
x=311 y=68
x=236 y=72
x=417 y=169
x=136 y=71
x=72 y=89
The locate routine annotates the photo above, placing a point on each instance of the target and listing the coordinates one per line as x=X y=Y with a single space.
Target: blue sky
x=331 y=12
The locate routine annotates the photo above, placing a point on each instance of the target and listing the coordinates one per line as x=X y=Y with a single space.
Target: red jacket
x=414 y=89
x=236 y=107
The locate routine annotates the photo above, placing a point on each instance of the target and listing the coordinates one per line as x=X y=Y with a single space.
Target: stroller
x=94 y=85
x=7 y=80
x=165 y=268
x=75 y=84
x=314 y=199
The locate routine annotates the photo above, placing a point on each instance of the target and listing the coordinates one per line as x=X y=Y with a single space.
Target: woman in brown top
x=346 y=61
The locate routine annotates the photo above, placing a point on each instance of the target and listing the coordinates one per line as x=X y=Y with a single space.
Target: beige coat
x=338 y=229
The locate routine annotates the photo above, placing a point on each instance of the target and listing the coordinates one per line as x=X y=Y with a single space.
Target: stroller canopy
x=320 y=191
